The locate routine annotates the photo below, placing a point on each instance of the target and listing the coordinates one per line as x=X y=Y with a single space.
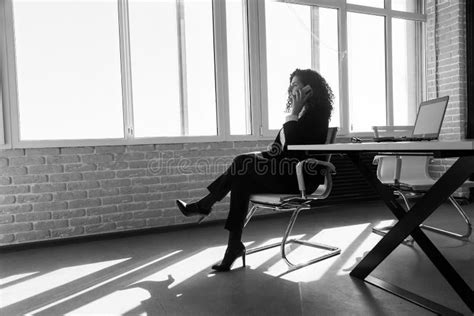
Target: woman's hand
x=298 y=100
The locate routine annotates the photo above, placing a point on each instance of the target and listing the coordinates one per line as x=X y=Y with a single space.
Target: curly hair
x=322 y=98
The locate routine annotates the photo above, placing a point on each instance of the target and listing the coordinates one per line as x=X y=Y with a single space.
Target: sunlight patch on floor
x=129 y=299
x=105 y=282
x=364 y=246
x=385 y=223
x=341 y=237
x=15 y=277
x=117 y=303
x=21 y=291
x=188 y=267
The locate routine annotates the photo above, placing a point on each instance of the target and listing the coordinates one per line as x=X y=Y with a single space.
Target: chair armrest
x=330 y=170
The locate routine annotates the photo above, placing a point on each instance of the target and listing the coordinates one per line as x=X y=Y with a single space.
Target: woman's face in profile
x=295 y=85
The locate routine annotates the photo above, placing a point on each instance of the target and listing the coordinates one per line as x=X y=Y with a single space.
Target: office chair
x=409 y=178
x=297 y=203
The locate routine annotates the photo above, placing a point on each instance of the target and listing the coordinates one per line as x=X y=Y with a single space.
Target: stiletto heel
x=192 y=209
x=201 y=219
x=231 y=254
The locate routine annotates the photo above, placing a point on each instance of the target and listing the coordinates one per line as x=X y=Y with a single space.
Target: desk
x=408 y=223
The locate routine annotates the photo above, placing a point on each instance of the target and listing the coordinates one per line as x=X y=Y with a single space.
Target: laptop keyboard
x=402 y=139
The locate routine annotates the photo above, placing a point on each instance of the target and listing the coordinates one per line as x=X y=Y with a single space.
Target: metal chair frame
x=298 y=203
x=404 y=195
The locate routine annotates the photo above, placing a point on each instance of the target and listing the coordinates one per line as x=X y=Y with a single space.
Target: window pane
x=68 y=69
x=369 y=3
x=327 y=53
x=404 y=71
x=199 y=43
x=405 y=5
x=288 y=32
x=366 y=59
x=239 y=110
x=155 y=68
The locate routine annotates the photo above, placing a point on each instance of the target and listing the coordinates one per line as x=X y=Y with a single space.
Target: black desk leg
x=409 y=224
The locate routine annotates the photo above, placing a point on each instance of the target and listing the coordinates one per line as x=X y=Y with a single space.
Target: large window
x=368 y=53
x=238 y=68
x=155 y=69
x=288 y=39
x=68 y=69
x=151 y=71
x=172 y=65
x=405 y=70
x=366 y=60
x=298 y=36
x=126 y=70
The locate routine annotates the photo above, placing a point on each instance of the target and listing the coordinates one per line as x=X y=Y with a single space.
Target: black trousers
x=252 y=173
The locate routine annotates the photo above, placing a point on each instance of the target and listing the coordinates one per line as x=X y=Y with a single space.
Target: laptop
x=428 y=122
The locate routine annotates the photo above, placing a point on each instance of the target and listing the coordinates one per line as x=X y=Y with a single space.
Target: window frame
x=256 y=86
x=3 y=83
x=343 y=8
x=220 y=72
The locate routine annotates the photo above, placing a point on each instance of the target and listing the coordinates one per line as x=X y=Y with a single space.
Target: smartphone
x=306 y=89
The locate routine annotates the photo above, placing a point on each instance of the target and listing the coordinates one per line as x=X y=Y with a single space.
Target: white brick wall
x=66 y=192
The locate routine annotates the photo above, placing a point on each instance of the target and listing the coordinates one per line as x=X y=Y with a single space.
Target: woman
x=310 y=103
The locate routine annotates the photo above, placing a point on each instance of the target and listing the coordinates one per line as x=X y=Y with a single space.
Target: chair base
x=333 y=251
x=382 y=231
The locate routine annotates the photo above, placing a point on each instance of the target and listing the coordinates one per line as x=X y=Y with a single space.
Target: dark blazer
x=310 y=128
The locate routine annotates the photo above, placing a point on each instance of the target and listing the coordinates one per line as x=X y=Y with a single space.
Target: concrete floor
x=169 y=273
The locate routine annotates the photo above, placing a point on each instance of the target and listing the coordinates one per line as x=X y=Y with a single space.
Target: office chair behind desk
x=409 y=178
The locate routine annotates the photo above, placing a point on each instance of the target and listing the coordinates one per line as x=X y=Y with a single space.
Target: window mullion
x=343 y=73
x=421 y=60
x=221 y=70
x=248 y=106
x=10 y=63
x=388 y=66
x=182 y=66
x=126 y=70
x=315 y=39
x=255 y=75
x=3 y=78
x=262 y=66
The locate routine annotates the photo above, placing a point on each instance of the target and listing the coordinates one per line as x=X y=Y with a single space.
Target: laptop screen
x=430 y=117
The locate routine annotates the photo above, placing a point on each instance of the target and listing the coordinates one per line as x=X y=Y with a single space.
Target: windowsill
x=162 y=140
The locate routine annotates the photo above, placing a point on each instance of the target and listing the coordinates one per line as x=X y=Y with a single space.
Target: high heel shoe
x=231 y=254
x=192 y=209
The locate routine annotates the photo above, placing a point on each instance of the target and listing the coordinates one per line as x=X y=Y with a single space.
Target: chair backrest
x=323 y=190
x=387 y=168
x=403 y=169
x=414 y=169
x=331 y=136
x=330 y=139
x=393 y=131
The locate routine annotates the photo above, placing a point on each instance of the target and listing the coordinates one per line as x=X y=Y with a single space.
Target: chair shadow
x=202 y=293
x=238 y=292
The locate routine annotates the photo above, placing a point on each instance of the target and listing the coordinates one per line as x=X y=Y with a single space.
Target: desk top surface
x=465 y=145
